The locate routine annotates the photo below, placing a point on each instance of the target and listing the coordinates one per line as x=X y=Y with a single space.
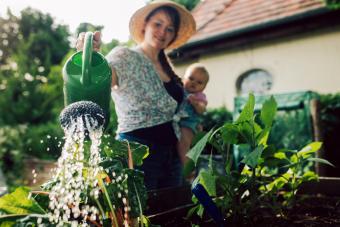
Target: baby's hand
x=192 y=99
x=197 y=103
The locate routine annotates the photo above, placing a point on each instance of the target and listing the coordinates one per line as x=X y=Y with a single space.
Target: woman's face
x=159 y=31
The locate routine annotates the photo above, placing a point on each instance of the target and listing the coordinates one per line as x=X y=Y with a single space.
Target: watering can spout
x=87 y=77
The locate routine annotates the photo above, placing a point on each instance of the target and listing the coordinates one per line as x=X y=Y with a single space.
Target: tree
x=26 y=93
x=88 y=27
x=332 y=4
x=9 y=39
x=42 y=44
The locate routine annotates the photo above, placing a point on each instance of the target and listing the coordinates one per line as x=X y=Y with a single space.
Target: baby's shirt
x=192 y=119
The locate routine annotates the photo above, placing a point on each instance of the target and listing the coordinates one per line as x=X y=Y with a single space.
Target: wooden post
x=317 y=132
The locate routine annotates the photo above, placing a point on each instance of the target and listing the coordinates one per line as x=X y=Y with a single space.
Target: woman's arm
x=114 y=82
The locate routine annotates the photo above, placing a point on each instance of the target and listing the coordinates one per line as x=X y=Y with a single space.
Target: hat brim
x=187 y=26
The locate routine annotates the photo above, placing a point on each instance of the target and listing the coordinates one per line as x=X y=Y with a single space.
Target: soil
x=311 y=211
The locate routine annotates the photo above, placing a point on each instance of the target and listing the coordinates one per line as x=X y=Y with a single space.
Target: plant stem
x=139 y=204
x=109 y=202
x=100 y=208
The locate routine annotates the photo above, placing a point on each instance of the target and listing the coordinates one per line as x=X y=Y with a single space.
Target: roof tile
x=214 y=17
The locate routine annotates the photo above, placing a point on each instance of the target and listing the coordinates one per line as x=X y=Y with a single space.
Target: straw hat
x=187 y=26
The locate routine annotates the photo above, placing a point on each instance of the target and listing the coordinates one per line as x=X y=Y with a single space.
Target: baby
x=195 y=80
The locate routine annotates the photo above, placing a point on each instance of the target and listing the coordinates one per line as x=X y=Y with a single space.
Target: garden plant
x=94 y=184
x=265 y=181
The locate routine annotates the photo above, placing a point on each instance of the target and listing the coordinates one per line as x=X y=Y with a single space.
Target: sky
x=114 y=15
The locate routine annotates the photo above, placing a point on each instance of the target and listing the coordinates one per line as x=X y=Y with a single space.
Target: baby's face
x=195 y=82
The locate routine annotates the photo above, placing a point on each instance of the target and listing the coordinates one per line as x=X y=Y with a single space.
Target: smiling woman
x=146 y=90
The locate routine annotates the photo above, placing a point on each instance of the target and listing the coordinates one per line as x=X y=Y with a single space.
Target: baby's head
x=195 y=78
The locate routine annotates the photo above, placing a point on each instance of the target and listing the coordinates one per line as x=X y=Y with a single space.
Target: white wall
x=309 y=62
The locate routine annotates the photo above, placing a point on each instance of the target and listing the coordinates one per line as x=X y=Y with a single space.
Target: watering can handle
x=87 y=59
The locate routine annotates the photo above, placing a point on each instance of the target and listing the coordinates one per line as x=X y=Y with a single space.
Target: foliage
x=28 y=92
x=85 y=27
x=25 y=98
x=267 y=177
x=39 y=32
x=329 y=112
x=290 y=129
x=214 y=118
x=43 y=141
x=105 y=48
x=122 y=191
x=332 y=4
x=11 y=156
x=9 y=38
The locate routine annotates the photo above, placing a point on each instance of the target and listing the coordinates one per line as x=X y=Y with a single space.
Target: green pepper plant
x=266 y=178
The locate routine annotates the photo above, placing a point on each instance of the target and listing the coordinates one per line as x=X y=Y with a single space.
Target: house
x=264 y=46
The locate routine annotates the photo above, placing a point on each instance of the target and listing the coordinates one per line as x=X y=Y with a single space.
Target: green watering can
x=87 y=77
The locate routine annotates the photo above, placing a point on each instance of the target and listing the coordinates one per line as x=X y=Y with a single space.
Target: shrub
x=43 y=141
x=11 y=155
x=216 y=117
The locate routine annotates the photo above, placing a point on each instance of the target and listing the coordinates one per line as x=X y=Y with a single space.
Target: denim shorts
x=162 y=168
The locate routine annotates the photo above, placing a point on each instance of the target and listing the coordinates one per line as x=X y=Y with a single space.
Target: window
x=257 y=81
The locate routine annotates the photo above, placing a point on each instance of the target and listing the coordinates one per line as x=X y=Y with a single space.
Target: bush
x=43 y=141
x=215 y=118
x=11 y=155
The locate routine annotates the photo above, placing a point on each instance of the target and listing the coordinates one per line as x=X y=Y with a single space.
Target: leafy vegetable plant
x=117 y=199
x=266 y=179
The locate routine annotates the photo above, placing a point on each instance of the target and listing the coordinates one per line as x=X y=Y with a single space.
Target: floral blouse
x=140 y=98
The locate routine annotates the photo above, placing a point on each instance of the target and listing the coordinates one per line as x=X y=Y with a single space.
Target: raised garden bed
x=319 y=205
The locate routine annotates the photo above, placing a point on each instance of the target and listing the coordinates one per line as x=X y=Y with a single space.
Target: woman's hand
x=96 y=41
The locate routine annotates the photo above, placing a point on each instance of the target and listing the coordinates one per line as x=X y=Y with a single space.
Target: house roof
x=217 y=17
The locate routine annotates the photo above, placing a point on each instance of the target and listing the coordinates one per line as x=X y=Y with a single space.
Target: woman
x=145 y=89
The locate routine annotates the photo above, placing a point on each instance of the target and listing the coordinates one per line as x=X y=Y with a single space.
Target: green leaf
x=280 y=155
x=196 y=151
x=263 y=137
x=120 y=149
x=19 y=202
x=252 y=159
x=321 y=160
x=294 y=159
x=277 y=183
x=269 y=151
x=268 y=112
x=246 y=132
x=208 y=181
x=248 y=110
x=308 y=176
x=17 y=220
x=309 y=149
x=230 y=133
x=139 y=152
x=188 y=168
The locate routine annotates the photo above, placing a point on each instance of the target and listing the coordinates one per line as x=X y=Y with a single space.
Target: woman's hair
x=163 y=59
